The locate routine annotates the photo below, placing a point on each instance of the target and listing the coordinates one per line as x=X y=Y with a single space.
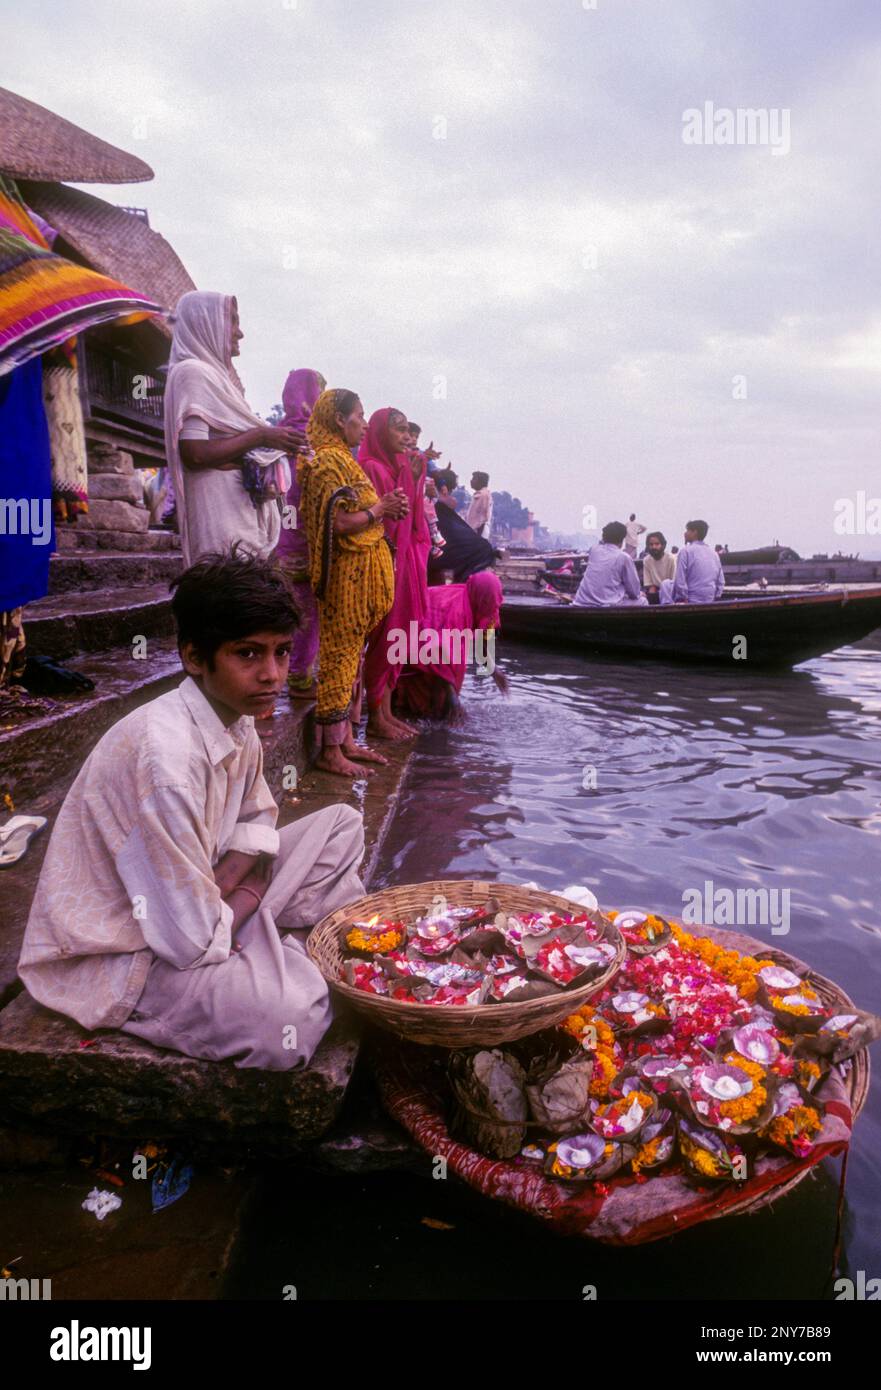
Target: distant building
x=525 y=535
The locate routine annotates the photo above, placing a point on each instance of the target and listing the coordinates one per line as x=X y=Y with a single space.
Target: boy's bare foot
x=360 y=753
x=333 y=759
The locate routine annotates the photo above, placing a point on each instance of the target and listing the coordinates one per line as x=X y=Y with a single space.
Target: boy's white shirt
x=128 y=873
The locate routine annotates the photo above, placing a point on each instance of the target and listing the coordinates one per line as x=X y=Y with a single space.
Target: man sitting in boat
x=699 y=577
x=611 y=579
x=657 y=566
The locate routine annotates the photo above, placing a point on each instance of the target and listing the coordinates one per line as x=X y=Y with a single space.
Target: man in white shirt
x=634 y=531
x=480 y=513
x=610 y=580
x=168 y=903
x=657 y=566
x=699 y=577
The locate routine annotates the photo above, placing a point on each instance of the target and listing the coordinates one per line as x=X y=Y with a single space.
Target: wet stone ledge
x=121 y=1087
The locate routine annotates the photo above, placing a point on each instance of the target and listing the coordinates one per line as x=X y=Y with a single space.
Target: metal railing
x=114 y=385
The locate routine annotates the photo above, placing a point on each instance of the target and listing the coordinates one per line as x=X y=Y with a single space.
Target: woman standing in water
x=350 y=567
x=226 y=463
x=388 y=465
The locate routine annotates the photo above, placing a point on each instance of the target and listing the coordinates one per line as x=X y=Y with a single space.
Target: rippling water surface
x=645 y=780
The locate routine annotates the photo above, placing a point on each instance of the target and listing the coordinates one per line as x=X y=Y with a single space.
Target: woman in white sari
x=209 y=431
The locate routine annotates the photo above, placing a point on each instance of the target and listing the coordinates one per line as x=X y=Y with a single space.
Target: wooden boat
x=762 y=555
x=766 y=630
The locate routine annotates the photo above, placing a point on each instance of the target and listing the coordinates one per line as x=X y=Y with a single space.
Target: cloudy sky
x=484 y=212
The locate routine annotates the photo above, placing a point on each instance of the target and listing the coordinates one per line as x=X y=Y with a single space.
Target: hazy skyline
x=497 y=198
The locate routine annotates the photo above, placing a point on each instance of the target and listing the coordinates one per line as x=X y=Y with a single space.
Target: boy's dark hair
x=700 y=526
x=416 y=429
x=223 y=598
x=481 y=480
x=657 y=535
x=614 y=532
x=445 y=477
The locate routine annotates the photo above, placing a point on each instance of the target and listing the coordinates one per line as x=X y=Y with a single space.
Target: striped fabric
x=46 y=299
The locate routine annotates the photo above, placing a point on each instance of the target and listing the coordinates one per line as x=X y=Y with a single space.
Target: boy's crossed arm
x=232 y=869
x=242 y=880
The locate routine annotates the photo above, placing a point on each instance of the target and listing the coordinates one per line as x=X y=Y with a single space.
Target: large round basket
x=483 y=1025
x=415 y=1095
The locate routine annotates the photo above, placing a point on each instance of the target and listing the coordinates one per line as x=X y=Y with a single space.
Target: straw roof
x=112 y=241
x=37 y=144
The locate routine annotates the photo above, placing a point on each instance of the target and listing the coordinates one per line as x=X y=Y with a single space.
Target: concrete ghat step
x=119 y=1087
x=110 y=569
x=63 y=624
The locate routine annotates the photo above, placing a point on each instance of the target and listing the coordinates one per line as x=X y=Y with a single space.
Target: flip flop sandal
x=45 y=677
x=16 y=835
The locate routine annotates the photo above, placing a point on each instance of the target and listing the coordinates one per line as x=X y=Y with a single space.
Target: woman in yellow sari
x=351 y=569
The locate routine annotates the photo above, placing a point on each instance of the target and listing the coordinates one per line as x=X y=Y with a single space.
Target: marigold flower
x=378 y=943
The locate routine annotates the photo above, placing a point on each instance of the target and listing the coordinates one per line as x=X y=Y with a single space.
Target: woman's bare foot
x=360 y=753
x=333 y=759
x=380 y=727
x=383 y=720
x=409 y=731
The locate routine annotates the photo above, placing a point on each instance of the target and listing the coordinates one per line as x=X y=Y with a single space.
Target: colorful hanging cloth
x=46 y=299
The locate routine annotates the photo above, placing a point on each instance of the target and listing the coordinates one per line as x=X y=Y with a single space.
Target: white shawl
x=203 y=382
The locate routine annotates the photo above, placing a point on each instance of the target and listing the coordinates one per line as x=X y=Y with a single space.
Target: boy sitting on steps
x=169 y=905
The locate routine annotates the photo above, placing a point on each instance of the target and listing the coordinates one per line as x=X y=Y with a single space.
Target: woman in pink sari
x=384 y=458
x=301 y=391
x=431 y=689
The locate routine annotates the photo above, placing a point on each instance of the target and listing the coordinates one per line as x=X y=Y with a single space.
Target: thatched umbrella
x=37 y=144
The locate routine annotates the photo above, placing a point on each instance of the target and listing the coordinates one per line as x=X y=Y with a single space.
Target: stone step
x=64 y=624
x=80 y=570
x=41 y=758
x=288 y=742
x=75 y=539
x=127 y=1088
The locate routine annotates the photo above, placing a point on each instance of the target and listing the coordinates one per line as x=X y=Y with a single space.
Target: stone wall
x=115 y=492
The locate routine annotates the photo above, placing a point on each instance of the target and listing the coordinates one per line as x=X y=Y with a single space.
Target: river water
x=642 y=781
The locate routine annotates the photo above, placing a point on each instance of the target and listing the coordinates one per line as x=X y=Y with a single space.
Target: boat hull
x=782 y=630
